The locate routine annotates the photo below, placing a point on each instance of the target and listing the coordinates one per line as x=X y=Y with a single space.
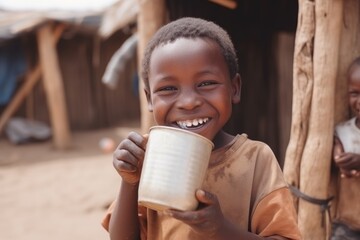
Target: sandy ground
x=51 y=194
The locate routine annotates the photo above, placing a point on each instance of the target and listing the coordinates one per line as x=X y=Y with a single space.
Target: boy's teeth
x=192 y=123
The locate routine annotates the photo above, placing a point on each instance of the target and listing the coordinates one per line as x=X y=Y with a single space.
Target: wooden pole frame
x=302 y=91
x=54 y=85
x=31 y=79
x=308 y=156
x=152 y=15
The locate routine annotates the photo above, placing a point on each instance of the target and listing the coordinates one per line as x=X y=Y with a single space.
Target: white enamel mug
x=174 y=168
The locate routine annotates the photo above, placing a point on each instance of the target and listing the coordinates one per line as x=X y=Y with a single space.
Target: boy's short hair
x=192 y=28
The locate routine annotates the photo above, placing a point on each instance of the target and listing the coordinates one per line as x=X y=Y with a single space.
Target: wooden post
x=302 y=91
x=316 y=159
x=284 y=63
x=30 y=80
x=151 y=16
x=53 y=87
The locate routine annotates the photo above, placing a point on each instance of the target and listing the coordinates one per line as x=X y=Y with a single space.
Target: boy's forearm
x=124 y=221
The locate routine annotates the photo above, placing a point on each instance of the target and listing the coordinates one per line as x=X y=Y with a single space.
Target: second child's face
x=190 y=87
x=354 y=91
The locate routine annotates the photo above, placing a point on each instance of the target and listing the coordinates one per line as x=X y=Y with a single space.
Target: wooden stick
x=30 y=80
x=226 y=3
x=151 y=16
x=53 y=87
x=316 y=159
x=302 y=92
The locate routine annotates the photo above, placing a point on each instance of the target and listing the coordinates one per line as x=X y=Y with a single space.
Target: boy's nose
x=188 y=100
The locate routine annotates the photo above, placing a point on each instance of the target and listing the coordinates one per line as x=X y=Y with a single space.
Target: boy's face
x=189 y=86
x=354 y=91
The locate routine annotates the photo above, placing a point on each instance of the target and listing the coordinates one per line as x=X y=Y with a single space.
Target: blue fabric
x=12 y=65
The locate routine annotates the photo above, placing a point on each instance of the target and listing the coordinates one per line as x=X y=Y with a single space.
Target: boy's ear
x=236 y=88
x=148 y=98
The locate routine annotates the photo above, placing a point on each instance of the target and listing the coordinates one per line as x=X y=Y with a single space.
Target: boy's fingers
x=146 y=136
x=121 y=166
x=205 y=197
x=138 y=139
x=129 y=150
x=341 y=158
x=345 y=173
x=355 y=173
x=122 y=155
x=350 y=173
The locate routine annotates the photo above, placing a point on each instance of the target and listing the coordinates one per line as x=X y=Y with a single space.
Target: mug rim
x=183 y=131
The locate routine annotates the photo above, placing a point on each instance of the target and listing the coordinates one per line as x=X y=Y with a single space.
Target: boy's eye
x=207 y=83
x=354 y=94
x=166 y=89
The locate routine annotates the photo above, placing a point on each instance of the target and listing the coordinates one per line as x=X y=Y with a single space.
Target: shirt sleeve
x=106 y=219
x=142 y=213
x=275 y=216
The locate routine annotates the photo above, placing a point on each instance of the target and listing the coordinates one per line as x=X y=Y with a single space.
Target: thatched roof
x=104 y=21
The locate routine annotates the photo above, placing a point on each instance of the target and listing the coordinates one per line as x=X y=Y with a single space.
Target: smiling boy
x=346 y=153
x=191 y=79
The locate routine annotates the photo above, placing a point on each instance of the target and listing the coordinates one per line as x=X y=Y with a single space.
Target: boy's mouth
x=194 y=123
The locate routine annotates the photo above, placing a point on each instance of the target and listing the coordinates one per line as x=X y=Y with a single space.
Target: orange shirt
x=251 y=190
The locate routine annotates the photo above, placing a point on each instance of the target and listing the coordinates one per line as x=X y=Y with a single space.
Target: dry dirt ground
x=50 y=194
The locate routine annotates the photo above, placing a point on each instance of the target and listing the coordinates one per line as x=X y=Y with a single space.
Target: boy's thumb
x=205 y=197
x=146 y=136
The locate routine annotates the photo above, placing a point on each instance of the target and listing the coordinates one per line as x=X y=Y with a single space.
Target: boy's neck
x=222 y=139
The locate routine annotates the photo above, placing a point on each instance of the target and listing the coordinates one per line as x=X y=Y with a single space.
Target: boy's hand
x=129 y=156
x=338 y=148
x=349 y=164
x=207 y=220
